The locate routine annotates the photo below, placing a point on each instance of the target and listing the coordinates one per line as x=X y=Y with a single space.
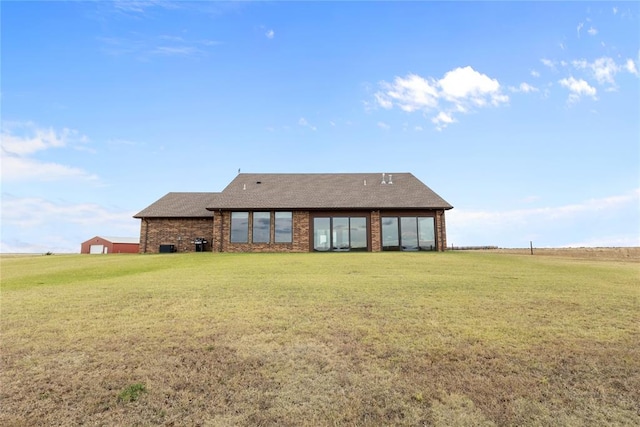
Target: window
x=261 y=227
x=390 y=238
x=426 y=234
x=284 y=227
x=321 y=233
x=340 y=234
x=239 y=227
x=408 y=233
x=358 y=233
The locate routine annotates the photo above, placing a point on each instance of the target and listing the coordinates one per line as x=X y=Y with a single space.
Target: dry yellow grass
x=460 y=338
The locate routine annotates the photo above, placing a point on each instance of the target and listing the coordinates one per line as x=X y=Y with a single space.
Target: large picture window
x=284 y=227
x=340 y=234
x=408 y=233
x=239 y=227
x=261 y=224
x=261 y=227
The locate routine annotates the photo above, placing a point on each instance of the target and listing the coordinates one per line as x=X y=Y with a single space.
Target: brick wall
x=300 y=233
x=441 y=229
x=174 y=231
x=181 y=232
x=376 y=233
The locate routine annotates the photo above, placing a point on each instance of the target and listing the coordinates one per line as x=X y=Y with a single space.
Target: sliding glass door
x=408 y=233
x=340 y=234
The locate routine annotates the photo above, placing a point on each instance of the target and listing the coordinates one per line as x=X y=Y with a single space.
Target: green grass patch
x=456 y=338
x=132 y=393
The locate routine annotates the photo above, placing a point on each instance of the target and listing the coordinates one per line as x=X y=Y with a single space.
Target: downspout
x=443 y=241
x=220 y=237
x=213 y=232
x=146 y=235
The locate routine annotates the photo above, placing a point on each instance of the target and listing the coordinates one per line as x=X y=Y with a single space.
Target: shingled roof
x=180 y=205
x=327 y=191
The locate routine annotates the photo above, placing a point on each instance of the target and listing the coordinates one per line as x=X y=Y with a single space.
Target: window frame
x=414 y=232
x=289 y=234
x=235 y=229
x=254 y=223
x=347 y=228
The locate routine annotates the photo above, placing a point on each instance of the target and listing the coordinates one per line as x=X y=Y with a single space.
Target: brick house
x=299 y=213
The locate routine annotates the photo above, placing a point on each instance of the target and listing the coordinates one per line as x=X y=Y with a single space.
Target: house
x=300 y=213
x=110 y=245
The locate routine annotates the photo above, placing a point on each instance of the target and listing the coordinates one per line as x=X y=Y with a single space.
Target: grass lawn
x=348 y=339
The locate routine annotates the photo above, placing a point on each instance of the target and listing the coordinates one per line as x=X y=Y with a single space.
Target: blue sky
x=524 y=116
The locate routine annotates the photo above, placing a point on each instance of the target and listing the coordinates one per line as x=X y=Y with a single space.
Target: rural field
x=461 y=338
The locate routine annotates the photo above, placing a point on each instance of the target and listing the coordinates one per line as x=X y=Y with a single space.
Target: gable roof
x=327 y=191
x=180 y=205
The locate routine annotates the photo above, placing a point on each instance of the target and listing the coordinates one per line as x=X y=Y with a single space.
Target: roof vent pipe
x=390 y=179
x=383 y=181
x=365 y=182
x=244 y=186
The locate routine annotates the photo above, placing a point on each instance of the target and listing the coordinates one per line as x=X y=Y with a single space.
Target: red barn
x=111 y=245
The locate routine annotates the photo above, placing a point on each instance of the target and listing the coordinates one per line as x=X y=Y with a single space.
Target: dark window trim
x=253 y=224
x=231 y=227
x=409 y=214
x=339 y=214
x=272 y=227
x=275 y=241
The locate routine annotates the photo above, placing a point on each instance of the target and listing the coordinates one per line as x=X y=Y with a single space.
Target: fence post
x=531 y=246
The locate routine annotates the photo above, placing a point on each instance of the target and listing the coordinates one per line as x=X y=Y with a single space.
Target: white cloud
x=25 y=169
x=442 y=120
x=383 y=126
x=409 y=94
x=138 y=6
x=548 y=63
x=145 y=48
x=630 y=66
x=35 y=211
x=304 y=123
x=580 y=63
x=384 y=100
x=20 y=141
x=270 y=34
x=524 y=87
x=592 y=31
x=459 y=91
x=38 y=139
x=37 y=225
x=535 y=73
x=513 y=228
x=580 y=26
x=177 y=51
x=604 y=69
x=468 y=84
x=578 y=88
